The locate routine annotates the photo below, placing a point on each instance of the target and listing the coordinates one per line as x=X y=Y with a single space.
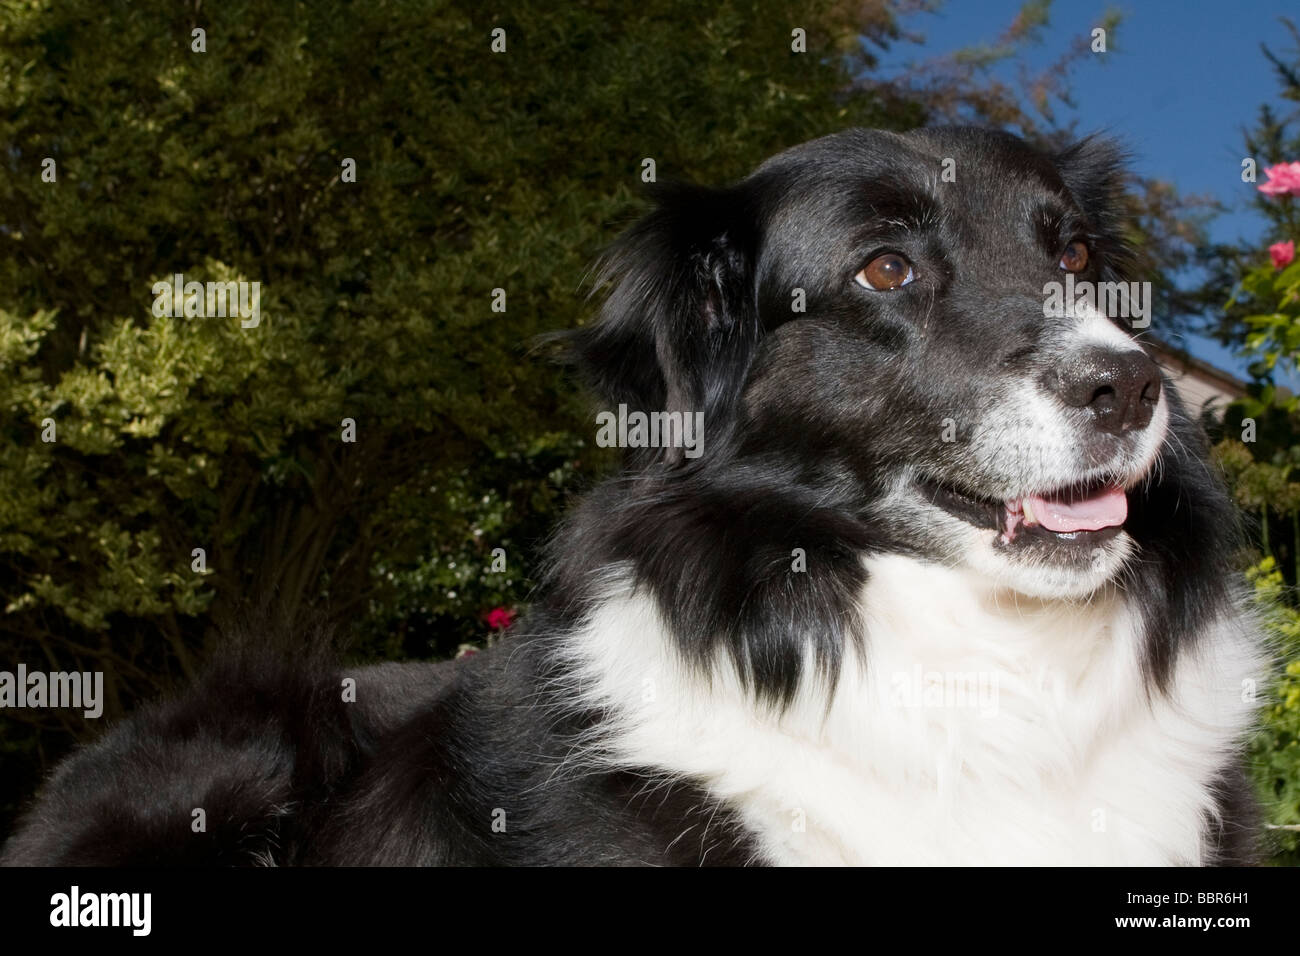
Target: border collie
x=951 y=581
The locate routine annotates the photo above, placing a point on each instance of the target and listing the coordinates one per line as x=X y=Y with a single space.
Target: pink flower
x=1283 y=179
x=499 y=618
x=1283 y=253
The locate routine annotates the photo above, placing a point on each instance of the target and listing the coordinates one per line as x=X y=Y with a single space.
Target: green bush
x=474 y=172
x=1275 y=751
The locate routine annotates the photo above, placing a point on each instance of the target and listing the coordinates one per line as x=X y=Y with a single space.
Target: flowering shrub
x=1271 y=290
x=1275 y=752
x=1263 y=481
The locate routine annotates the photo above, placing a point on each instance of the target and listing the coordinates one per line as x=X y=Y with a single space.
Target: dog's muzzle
x=1119 y=389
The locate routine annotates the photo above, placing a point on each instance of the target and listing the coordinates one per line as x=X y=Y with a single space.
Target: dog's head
x=931 y=320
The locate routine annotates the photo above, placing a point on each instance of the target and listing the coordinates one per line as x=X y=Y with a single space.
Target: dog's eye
x=885 y=273
x=1075 y=257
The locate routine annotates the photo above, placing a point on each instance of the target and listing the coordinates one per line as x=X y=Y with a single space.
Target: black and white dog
x=950 y=582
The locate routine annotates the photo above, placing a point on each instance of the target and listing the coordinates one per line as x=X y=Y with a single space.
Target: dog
x=950 y=582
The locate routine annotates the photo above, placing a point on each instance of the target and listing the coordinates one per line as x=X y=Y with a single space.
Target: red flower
x=1283 y=179
x=1283 y=253
x=499 y=618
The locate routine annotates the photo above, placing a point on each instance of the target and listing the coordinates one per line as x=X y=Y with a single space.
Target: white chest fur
x=977 y=730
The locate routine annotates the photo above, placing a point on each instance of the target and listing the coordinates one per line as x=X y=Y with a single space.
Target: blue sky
x=1180 y=82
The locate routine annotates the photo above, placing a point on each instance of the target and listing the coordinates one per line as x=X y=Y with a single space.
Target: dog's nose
x=1121 y=389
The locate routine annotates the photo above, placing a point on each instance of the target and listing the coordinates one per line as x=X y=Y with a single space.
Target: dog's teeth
x=1030 y=520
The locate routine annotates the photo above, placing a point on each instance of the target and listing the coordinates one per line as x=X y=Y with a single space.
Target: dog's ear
x=1094 y=170
x=678 y=324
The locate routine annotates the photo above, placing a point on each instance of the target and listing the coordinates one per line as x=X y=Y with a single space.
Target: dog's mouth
x=1079 y=515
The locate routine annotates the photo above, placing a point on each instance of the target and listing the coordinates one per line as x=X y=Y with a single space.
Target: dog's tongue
x=1106 y=508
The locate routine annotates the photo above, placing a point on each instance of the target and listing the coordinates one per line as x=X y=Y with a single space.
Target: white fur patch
x=982 y=727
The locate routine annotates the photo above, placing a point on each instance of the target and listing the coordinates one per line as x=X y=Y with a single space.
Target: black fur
x=809 y=417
